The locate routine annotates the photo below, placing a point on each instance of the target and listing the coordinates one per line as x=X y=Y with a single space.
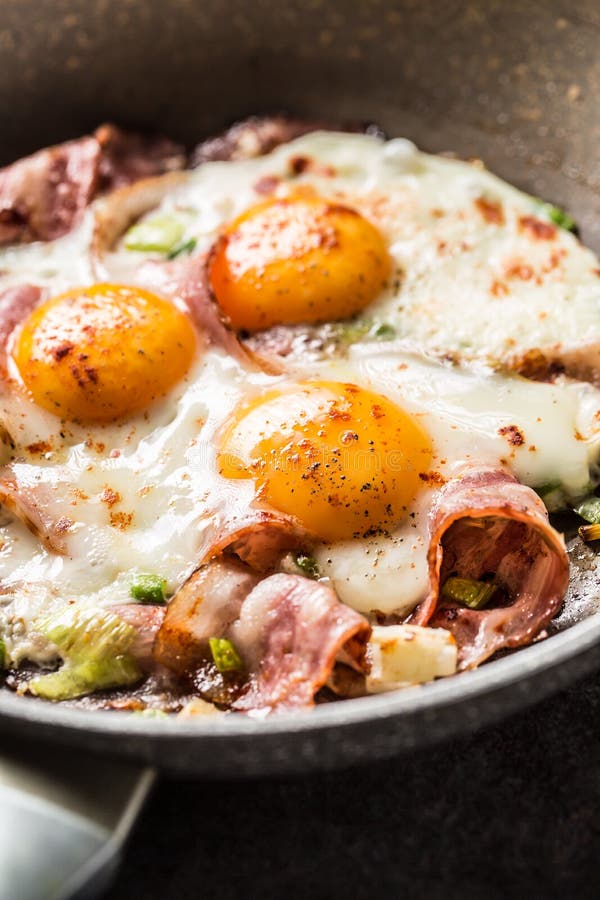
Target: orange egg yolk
x=99 y=353
x=299 y=259
x=343 y=460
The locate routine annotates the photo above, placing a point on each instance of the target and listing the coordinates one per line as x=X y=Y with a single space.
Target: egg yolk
x=299 y=259
x=343 y=460
x=99 y=353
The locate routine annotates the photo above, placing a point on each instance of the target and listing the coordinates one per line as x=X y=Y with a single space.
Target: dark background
x=512 y=811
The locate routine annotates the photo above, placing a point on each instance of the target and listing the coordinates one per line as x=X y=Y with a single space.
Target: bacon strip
x=147 y=620
x=205 y=606
x=44 y=195
x=289 y=634
x=288 y=629
x=484 y=522
x=15 y=305
x=128 y=157
x=582 y=363
x=252 y=137
x=258 y=537
x=31 y=500
x=184 y=282
x=123 y=207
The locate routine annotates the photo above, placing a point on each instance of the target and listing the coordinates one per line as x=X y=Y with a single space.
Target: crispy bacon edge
x=527 y=554
x=289 y=629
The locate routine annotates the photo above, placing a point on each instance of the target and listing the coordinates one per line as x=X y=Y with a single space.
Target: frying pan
x=512 y=83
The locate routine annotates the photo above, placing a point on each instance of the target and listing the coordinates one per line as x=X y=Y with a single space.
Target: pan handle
x=64 y=818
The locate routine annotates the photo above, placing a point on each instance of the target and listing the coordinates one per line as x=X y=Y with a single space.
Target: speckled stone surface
x=515 y=83
x=511 y=812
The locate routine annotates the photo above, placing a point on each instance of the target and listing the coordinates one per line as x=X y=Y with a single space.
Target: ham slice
x=255 y=136
x=128 y=157
x=43 y=196
x=485 y=523
x=184 y=282
x=287 y=629
x=204 y=607
x=15 y=305
x=258 y=537
x=289 y=633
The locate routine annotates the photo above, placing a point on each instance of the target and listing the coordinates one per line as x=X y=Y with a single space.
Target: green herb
x=471 y=593
x=2 y=654
x=94 y=646
x=307 y=565
x=149 y=589
x=542 y=490
x=556 y=215
x=352 y=332
x=184 y=247
x=384 y=332
x=589 y=509
x=589 y=533
x=160 y=234
x=224 y=654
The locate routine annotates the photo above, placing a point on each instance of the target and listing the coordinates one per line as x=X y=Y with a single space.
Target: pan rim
x=517 y=669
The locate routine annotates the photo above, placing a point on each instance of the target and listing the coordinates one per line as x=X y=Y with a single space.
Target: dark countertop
x=509 y=812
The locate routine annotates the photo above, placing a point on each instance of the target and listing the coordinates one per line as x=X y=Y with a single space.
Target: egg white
x=162 y=463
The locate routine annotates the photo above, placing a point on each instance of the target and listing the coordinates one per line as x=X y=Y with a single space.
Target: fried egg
x=132 y=433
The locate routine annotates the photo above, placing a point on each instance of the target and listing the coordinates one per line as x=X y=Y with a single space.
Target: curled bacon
x=255 y=136
x=258 y=537
x=288 y=629
x=128 y=157
x=184 y=282
x=44 y=195
x=289 y=633
x=205 y=606
x=485 y=523
x=121 y=208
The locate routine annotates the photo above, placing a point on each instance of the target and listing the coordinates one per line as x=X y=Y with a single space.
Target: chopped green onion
x=542 y=490
x=160 y=234
x=384 y=332
x=149 y=589
x=224 y=654
x=471 y=593
x=77 y=680
x=589 y=533
x=2 y=654
x=557 y=216
x=307 y=565
x=351 y=332
x=184 y=247
x=94 y=646
x=589 y=509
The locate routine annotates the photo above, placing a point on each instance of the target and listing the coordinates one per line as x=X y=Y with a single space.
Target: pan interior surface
x=513 y=84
